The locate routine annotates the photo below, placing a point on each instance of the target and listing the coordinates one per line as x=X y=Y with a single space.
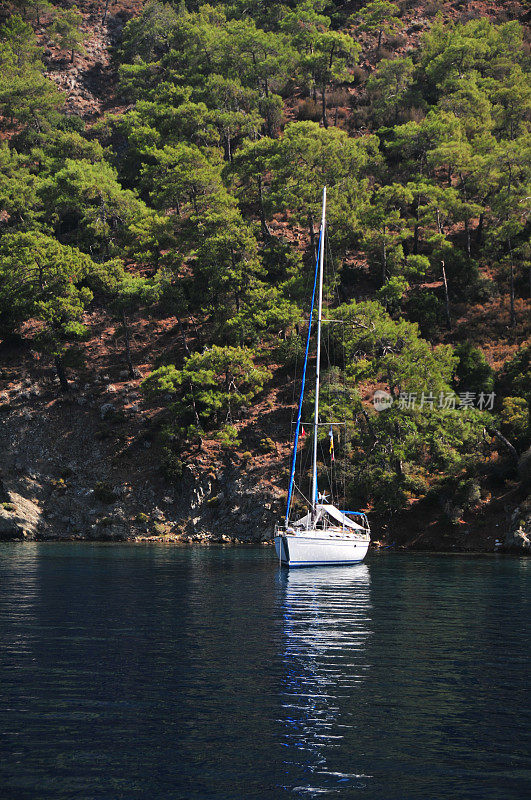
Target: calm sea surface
x=166 y=672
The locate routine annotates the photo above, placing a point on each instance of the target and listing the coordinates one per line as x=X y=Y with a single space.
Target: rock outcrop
x=518 y=538
x=20 y=518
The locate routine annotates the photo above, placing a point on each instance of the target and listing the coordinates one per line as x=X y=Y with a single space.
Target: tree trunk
x=511 y=289
x=266 y=233
x=479 y=229
x=192 y=393
x=467 y=231
x=380 y=34
x=323 y=106
x=508 y=446
x=369 y=424
x=312 y=235
x=513 y=315
x=384 y=261
x=72 y=56
x=128 y=360
x=61 y=374
x=105 y=12
x=446 y=298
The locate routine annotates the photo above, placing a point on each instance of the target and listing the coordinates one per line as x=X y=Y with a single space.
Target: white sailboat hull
x=312 y=548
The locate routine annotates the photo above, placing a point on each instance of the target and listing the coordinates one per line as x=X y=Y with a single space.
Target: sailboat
x=325 y=534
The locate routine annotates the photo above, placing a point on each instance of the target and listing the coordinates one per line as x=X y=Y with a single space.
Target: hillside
x=160 y=179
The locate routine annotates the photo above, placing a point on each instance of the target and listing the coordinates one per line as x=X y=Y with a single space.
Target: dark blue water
x=166 y=672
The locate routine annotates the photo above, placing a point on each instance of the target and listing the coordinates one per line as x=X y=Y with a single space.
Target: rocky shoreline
x=249 y=521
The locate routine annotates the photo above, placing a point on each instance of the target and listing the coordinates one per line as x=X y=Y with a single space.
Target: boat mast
x=318 y=366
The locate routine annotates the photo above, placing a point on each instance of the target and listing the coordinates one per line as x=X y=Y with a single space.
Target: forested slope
x=161 y=167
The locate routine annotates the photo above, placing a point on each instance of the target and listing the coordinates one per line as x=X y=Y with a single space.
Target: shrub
x=267 y=445
x=416 y=484
x=290 y=351
x=104 y=493
x=309 y=110
x=359 y=76
x=228 y=436
x=515 y=419
x=396 y=41
x=171 y=465
x=472 y=373
x=425 y=308
x=360 y=117
x=390 y=295
x=338 y=98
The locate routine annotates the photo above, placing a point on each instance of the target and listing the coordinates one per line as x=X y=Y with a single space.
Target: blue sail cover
x=301 y=396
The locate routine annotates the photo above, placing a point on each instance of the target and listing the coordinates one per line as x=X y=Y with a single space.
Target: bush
x=309 y=110
x=104 y=493
x=228 y=437
x=267 y=445
x=171 y=465
x=359 y=76
x=391 y=294
x=396 y=41
x=290 y=351
x=338 y=98
x=425 y=308
x=417 y=485
x=472 y=373
x=360 y=117
x=515 y=420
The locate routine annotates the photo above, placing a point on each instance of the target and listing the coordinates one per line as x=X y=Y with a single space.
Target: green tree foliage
x=42 y=279
x=88 y=207
x=388 y=88
x=34 y=10
x=379 y=17
x=66 y=31
x=19 y=199
x=385 y=227
x=27 y=96
x=201 y=200
x=212 y=388
x=326 y=55
x=395 y=454
x=309 y=157
x=126 y=294
x=473 y=372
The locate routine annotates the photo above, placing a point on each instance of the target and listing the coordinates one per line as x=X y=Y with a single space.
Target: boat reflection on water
x=326 y=615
